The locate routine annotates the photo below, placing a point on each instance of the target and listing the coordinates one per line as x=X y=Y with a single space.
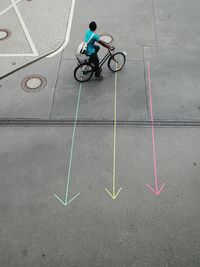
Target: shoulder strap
x=90 y=38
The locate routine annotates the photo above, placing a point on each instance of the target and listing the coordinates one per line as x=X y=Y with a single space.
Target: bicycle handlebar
x=111 y=49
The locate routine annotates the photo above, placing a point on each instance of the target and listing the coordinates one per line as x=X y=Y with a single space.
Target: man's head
x=93 y=26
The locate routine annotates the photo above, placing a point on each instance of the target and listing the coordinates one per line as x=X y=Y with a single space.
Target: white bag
x=82 y=48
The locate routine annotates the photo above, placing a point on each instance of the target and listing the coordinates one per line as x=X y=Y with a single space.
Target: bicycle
x=85 y=69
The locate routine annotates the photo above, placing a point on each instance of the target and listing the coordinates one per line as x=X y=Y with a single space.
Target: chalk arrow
x=66 y=201
x=155 y=190
x=114 y=194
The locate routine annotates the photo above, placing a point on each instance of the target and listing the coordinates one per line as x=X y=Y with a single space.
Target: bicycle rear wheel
x=116 y=61
x=83 y=72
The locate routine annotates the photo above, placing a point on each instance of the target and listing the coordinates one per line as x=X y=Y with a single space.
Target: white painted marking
x=24 y=28
x=5 y=10
x=17 y=55
x=35 y=53
x=67 y=33
x=8 y=8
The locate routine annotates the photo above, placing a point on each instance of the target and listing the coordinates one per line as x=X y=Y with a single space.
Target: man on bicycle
x=91 y=37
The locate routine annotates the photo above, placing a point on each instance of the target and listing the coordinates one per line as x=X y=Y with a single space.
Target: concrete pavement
x=31 y=30
x=174 y=70
x=137 y=228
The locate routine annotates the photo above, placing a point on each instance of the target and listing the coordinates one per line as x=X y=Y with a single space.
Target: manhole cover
x=33 y=83
x=4 y=34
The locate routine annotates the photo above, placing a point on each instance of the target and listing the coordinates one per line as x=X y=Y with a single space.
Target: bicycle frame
x=86 y=68
x=105 y=58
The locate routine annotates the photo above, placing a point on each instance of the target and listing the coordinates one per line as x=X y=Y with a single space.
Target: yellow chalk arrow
x=114 y=194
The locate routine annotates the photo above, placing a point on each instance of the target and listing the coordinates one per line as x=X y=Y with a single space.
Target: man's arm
x=105 y=44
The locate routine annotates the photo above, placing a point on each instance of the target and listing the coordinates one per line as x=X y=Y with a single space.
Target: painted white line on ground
x=35 y=53
x=18 y=55
x=67 y=33
x=24 y=28
x=8 y=8
x=5 y=10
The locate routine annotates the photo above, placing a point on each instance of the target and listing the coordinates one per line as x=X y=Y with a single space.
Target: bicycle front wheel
x=83 y=72
x=116 y=61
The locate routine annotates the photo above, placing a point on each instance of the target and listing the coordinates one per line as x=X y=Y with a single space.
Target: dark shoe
x=99 y=78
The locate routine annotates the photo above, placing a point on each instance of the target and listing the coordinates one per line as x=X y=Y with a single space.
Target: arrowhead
x=156 y=191
x=113 y=195
x=66 y=201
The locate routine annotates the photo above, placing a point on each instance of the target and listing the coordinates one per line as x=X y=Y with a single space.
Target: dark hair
x=93 y=26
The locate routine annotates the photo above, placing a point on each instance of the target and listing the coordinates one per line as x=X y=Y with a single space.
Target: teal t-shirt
x=90 y=46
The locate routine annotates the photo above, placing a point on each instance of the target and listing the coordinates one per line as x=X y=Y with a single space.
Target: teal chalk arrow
x=67 y=200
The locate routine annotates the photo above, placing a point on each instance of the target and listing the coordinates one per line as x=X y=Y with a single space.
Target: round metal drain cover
x=34 y=83
x=4 y=34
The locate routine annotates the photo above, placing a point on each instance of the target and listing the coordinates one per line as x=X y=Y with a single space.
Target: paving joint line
x=145 y=87
x=56 y=83
x=127 y=60
x=98 y=122
x=154 y=15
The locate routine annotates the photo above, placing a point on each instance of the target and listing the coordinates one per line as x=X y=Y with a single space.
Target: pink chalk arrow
x=156 y=189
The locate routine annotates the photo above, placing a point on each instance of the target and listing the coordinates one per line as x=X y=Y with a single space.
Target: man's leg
x=96 y=47
x=95 y=60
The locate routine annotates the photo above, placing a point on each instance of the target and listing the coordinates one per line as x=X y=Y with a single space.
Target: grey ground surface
x=37 y=29
x=137 y=228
